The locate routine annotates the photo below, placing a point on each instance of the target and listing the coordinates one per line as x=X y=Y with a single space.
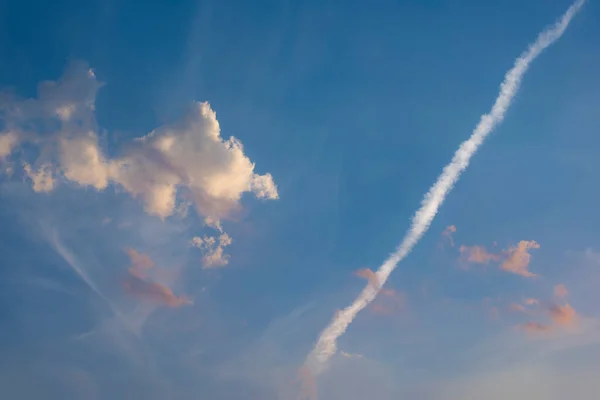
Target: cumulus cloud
x=560 y=291
x=188 y=155
x=518 y=258
x=139 y=285
x=191 y=154
x=213 y=249
x=447 y=235
x=42 y=180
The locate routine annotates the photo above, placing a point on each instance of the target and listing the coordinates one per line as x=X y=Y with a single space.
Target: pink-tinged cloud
x=563 y=315
x=518 y=258
x=531 y=302
x=308 y=385
x=517 y=308
x=447 y=234
x=477 y=255
x=153 y=292
x=389 y=302
x=369 y=275
x=140 y=263
x=139 y=285
x=560 y=291
x=535 y=328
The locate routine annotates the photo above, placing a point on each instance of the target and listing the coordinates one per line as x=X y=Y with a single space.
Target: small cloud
x=153 y=292
x=477 y=255
x=535 y=328
x=518 y=258
x=560 y=291
x=140 y=263
x=7 y=143
x=368 y=274
x=196 y=242
x=138 y=285
x=212 y=249
x=563 y=315
x=213 y=223
x=42 y=179
x=447 y=235
x=531 y=302
x=351 y=355
x=515 y=259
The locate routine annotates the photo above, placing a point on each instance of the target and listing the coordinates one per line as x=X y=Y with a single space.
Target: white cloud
x=191 y=153
x=8 y=141
x=42 y=178
x=213 y=223
x=187 y=155
x=213 y=249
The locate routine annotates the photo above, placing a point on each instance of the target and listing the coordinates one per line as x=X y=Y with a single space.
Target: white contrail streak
x=326 y=345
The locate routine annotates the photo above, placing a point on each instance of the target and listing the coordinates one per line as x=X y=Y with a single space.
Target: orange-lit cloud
x=477 y=255
x=153 y=292
x=447 y=234
x=563 y=315
x=369 y=275
x=388 y=302
x=140 y=263
x=518 y=258
x=308 y=385
x=515 y=259
x=560 y=291
x=535 y=328
x=138 y=284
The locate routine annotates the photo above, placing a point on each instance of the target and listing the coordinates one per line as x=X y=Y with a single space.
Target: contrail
x=326 y=345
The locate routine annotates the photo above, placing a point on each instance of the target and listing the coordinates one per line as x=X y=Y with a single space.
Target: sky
x=191 y=191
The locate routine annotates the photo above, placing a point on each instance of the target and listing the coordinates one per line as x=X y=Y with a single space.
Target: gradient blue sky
x=353 y=108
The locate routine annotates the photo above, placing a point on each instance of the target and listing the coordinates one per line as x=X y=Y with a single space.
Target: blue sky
x=113 y=285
